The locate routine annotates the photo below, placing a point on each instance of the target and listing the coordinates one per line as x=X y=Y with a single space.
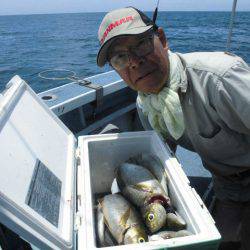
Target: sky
x=15 y=7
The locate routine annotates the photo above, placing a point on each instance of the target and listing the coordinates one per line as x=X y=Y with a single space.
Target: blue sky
x=10 y=7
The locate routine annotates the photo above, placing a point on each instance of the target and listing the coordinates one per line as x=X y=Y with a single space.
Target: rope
x=71 y=74
x=231 y=25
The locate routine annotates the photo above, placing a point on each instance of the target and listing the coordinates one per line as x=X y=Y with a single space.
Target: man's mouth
x=144 y=76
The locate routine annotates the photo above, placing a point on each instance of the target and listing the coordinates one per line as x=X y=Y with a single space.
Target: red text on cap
x=115 y=24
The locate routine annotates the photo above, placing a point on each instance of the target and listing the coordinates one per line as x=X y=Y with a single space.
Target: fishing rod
x=155 y=12
x=231 y=25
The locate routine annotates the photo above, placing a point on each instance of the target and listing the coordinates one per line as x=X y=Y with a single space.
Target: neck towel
x=164 y=110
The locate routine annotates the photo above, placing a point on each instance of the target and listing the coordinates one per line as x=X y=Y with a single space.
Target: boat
x=102 y=104
x=79 y=167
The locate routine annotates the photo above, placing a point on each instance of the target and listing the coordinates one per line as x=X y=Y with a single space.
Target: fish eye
x=141 y=240
x=151 y=216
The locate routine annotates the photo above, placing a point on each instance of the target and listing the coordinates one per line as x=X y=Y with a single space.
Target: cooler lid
x=37 y=154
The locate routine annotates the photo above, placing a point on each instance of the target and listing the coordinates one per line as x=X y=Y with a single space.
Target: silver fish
x=122 y=220
x=154 y=165
x=169 y=234
x=140 y=186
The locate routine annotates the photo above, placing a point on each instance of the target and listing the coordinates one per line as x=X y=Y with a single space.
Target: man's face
x=148 y=73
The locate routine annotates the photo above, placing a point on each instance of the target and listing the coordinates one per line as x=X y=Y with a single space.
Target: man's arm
x=232 y=98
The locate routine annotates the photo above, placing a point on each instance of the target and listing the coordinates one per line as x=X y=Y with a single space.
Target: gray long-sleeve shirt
x=215 y=99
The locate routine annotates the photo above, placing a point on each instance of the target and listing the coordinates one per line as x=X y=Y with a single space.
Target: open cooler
x=50 y=179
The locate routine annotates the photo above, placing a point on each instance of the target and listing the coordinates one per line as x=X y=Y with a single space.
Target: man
x=200 y=101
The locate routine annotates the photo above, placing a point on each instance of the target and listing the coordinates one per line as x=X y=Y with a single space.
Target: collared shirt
x=215 y=98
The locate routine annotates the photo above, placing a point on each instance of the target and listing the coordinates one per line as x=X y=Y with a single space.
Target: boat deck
x=71 y=96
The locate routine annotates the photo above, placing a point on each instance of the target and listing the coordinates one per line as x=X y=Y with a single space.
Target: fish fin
x=124 y=218
x=106 y=223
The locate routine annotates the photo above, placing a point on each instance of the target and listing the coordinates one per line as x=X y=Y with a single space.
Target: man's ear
x=161 y=34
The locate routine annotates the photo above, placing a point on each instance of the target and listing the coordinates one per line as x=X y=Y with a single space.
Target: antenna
x=156 y=12
x=231 y=25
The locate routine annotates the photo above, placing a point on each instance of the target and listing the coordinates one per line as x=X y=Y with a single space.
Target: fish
x=169 y=235
x=154 y=165
x=122 y=220
x=141 y=187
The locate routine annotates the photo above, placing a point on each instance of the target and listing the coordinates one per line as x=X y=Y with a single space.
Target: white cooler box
x=48 y=181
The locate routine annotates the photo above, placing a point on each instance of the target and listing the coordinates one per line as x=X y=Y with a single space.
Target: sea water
x=30 y=44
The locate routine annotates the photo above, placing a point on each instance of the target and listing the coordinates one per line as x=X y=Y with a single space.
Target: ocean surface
x=30 y=44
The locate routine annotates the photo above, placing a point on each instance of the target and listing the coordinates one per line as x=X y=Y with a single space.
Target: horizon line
x=89 y=12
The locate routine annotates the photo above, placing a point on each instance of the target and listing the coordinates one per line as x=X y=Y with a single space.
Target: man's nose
x=135 y=61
